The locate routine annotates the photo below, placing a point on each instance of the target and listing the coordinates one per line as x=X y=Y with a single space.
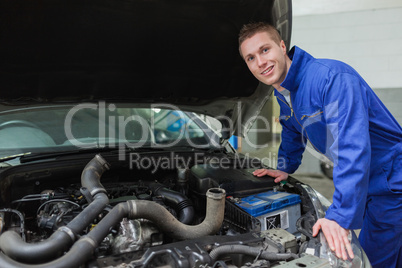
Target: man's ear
x=283 y=46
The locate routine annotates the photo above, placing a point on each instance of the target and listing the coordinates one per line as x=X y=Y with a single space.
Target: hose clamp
x=68 y=231
x=97 y=190
x=132 y=209
x=90 y=241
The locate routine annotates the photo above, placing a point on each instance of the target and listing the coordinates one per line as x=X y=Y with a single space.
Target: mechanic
x=328 y=103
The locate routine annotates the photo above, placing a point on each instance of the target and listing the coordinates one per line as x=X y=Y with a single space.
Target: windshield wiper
x=39 y=156
x=14 y=156
x=30 y=157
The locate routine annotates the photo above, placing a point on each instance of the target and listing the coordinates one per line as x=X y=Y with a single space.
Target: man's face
x=266 y=59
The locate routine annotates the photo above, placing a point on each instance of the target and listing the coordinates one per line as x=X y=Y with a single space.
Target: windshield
x=91 y=125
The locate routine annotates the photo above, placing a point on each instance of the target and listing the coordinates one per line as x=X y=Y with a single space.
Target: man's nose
x=260 y=61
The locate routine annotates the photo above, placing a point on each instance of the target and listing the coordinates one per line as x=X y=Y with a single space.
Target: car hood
x=145 y=51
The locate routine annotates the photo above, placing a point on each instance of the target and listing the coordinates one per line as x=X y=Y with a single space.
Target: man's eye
x=250 y=58
x=265 y=50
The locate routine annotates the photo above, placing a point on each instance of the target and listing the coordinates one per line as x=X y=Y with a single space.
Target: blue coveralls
x=334 y=108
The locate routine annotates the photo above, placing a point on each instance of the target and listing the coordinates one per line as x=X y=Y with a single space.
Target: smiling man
x=268 y=62
x=328 y=103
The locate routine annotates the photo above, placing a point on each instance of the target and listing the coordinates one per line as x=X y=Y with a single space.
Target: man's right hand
x=337 y=237
x=277 y=174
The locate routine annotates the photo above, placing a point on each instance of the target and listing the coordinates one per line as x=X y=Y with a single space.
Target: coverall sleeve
x=347 y=119
x=292 y=147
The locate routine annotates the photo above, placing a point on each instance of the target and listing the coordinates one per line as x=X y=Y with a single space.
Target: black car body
x=107 y=155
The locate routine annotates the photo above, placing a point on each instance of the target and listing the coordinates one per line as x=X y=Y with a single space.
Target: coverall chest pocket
x=313 y=122
x=286 y=113
x=310 y=116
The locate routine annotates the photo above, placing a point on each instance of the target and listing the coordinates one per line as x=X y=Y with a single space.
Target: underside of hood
x=146 y=51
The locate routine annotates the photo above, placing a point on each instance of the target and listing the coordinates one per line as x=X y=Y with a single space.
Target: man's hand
x=277 y=174
x=337 y=237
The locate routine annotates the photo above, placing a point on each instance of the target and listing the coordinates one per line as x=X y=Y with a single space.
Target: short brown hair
x=250 y=29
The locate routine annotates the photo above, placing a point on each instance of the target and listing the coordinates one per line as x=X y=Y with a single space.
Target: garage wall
x=392 y=98
x=368 y=40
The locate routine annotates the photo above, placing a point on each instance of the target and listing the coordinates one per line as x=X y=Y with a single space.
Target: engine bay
x=108 y=213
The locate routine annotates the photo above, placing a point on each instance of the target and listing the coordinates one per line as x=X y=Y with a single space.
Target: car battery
x=273 y=209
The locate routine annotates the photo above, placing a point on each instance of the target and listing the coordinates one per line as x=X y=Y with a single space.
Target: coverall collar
x=300 y=59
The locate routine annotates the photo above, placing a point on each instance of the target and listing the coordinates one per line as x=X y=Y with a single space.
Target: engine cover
x=235 y=181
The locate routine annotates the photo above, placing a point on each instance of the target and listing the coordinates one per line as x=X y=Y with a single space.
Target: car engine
x=195 y=216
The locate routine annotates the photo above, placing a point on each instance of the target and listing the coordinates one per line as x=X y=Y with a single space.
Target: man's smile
x=268 y=70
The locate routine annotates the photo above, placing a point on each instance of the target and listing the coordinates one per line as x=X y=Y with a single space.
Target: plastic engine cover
x=235 y=181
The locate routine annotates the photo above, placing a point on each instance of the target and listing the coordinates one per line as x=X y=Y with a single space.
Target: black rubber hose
x=90 y=177
x=81 y=251
x=14 y=247
x=178 y=201
x=247 y=250
x=84 y=248
x=304 y=225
